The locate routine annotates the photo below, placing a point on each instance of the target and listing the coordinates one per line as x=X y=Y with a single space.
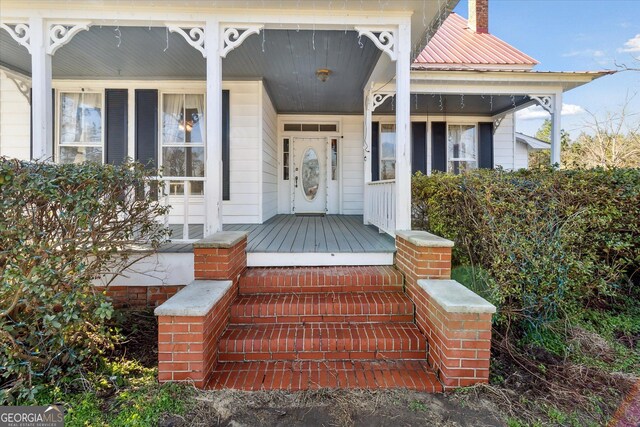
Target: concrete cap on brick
x=221 y=240
x=195 y=299
x=453 y=297
x=422 y=238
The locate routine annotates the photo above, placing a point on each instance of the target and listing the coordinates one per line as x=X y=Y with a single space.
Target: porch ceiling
x=285 y=59
x=458 y=105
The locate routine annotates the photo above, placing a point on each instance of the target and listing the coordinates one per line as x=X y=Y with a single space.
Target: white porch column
x=403 y=127
x=556 y=126
x=41 y=97
x=367 y=150
x=213 y=178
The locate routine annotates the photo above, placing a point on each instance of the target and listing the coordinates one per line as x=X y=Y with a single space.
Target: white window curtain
x=173 y=119
x=70 y=118
x=462 y=150
x=91 y=106
x=196 y=102
x=80 y=136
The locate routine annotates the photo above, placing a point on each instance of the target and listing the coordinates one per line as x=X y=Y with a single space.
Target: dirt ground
x=336 y=408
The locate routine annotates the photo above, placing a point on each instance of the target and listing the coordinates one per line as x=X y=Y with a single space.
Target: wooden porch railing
x=186 y=197
x=380 y=209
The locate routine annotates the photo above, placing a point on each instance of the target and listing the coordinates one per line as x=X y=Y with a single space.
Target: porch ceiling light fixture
x=323 y=74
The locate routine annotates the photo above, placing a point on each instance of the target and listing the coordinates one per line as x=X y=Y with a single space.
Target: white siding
x=269 y=157
x=15 y=121
x=352 y=165
x=522 y=156
x=245 y=182
x=503 y=143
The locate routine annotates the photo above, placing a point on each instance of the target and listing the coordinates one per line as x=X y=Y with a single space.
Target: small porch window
x=182 y=157
x=334 y=159
x=387 y=151
x=285 y=159
x=81 y=136
x=183 y=135
x=462 y=148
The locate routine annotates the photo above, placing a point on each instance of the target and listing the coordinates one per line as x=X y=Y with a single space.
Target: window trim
x=475 y=142
x=161 y=143
x=336 y=123
x=380 y=156
x=58 y=125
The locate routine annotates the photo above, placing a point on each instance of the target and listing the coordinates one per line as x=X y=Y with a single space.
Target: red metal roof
x=455 y=44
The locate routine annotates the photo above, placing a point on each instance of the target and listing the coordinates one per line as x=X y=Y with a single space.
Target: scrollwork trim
x=20 y=32
x=195 y=37
x=233 y=36
x=61 y=34
x=545 y=101
x=384 y=39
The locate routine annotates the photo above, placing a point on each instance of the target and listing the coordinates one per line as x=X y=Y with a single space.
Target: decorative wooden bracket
x=19 y=32
x=23 y=83
x=383 y=38
x=545 y=101
x=378 y=98
x=233 y=36
x=195 y=36
x=61 y=34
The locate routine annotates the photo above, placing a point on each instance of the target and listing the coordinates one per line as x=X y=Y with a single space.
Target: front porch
x=291 y=240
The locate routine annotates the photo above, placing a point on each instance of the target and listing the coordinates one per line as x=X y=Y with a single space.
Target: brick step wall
x=322 y=342
x=320 y=280
x=372 y=307
x=309 y=327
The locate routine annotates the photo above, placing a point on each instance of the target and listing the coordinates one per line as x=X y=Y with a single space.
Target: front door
x=310 y=175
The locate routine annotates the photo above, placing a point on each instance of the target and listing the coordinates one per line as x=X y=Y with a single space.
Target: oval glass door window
x=310 y=174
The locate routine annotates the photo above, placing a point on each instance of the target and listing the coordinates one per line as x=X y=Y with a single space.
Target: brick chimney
x=479 y=16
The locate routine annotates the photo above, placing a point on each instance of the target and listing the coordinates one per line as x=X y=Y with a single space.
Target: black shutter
x=419 y=147
x=116 y=140
x=147 y=127
x=226 y=143
x=375 y=151
x=485 y=142
x=439 y=146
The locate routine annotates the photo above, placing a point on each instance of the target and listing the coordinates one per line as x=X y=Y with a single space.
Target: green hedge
x=537 y=243
x=62 y=226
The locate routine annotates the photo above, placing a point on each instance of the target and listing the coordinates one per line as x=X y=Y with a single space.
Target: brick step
x=329 y=308
x=306 y=375
x=326 y=341
x=320 y=279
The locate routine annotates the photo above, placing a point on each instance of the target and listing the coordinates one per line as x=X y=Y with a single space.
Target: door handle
x=296 y=182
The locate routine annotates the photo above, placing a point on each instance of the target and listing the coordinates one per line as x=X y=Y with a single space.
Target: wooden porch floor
x=315 y=234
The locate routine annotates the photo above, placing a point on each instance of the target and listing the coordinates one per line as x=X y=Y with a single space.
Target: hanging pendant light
x=323 y=74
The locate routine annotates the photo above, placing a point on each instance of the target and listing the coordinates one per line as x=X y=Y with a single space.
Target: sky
x=574 y=35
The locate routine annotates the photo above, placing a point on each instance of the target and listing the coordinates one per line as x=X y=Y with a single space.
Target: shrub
x=63 y=226
x=542 y=242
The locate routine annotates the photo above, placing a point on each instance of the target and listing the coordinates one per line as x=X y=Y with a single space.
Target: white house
x=301 y=123
x=323 y=111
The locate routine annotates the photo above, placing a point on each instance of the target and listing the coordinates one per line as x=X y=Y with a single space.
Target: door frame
x=334 y=192
x=286 y=187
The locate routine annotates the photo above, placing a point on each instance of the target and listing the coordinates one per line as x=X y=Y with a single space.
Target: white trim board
x=160 y=269
x=313 y=259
